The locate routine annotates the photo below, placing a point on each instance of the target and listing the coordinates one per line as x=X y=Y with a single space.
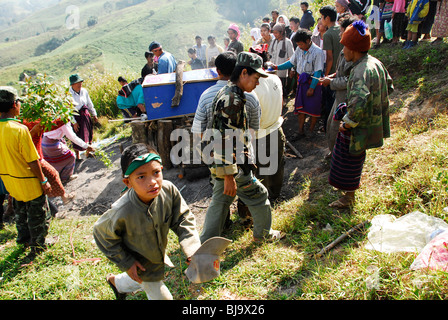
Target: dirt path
x=97 y=186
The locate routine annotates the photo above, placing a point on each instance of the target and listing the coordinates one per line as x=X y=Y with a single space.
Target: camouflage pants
x=32 y=221
x=252 y=192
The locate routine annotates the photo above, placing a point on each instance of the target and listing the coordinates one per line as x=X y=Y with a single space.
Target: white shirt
x=274 y=51
x=200 y=51
x=82 y=99
x=213 y=52
x=67 y=131
x=203 y=118
x=270 y=95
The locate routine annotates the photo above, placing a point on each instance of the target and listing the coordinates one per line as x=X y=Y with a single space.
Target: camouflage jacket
x=231 y=137
x=368 y=89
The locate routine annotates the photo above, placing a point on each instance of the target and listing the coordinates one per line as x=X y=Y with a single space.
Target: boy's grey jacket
x=131 y=230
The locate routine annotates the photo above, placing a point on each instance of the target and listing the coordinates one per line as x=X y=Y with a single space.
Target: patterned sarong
x=311 y=106
x=85 y=131
x=346 y=168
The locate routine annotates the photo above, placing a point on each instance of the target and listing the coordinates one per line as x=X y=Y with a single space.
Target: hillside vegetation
x=113 y=35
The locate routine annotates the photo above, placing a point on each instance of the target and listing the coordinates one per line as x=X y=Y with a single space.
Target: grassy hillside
x=14 y=11
x=117 y=41
x=113 y=35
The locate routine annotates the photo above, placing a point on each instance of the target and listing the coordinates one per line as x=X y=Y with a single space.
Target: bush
x=45 y=101
x=48 y=46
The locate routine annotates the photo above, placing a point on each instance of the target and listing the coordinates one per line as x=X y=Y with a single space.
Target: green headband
x=140 y=161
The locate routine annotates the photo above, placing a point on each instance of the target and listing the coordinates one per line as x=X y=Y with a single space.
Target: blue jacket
x=307 y=20
x=167 y=63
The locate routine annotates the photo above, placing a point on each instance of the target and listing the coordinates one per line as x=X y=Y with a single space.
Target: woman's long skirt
x=85 y=131
x=440 y=26
x=345 y=168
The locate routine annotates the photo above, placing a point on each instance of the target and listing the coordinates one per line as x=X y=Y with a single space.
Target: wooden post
x=165 y=127
x=179 y=84
x=139 y=132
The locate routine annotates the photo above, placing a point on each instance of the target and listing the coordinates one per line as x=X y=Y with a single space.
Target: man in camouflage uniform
x=231 y=169
x=366 y=122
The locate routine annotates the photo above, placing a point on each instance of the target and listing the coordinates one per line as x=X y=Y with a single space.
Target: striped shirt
x=204 y=113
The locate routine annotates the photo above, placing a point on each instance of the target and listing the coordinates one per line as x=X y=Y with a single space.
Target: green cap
x=8 y=94
x=252 y=60
x=75 y=78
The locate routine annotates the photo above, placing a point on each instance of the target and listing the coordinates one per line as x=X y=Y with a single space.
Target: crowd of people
x=328 y=72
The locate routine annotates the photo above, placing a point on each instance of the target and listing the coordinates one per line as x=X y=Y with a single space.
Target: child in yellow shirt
x=22 y=175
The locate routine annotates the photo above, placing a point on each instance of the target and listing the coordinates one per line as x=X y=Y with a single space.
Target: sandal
x=118 y=295
x=340 y=204
x=69 y=198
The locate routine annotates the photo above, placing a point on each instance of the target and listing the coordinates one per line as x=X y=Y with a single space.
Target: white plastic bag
x=409 y=233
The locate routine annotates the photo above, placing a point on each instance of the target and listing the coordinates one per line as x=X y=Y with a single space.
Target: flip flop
x=338 y=204
x=118 y=295
x=69 y=198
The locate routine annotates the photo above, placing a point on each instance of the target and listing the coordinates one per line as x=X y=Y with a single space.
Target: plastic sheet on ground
x=409 y=233
x=434 y=255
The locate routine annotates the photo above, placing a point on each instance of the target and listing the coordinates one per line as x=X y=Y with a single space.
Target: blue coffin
x=159 y=90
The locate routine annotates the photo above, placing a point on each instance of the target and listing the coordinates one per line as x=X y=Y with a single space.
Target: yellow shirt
x=16 y=151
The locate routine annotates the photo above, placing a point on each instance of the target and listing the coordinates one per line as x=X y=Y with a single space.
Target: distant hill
x=14 y=11
x=71 y=35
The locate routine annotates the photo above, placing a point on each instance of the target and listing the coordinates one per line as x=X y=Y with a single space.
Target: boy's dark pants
x=32 y=221
x=274 y=181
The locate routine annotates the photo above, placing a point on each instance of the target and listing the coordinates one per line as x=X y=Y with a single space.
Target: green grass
x=422 y=69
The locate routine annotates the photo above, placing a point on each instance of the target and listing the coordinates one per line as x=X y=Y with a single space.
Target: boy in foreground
x=133 y=234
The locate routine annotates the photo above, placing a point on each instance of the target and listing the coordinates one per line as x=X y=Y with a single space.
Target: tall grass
x=103 y=89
